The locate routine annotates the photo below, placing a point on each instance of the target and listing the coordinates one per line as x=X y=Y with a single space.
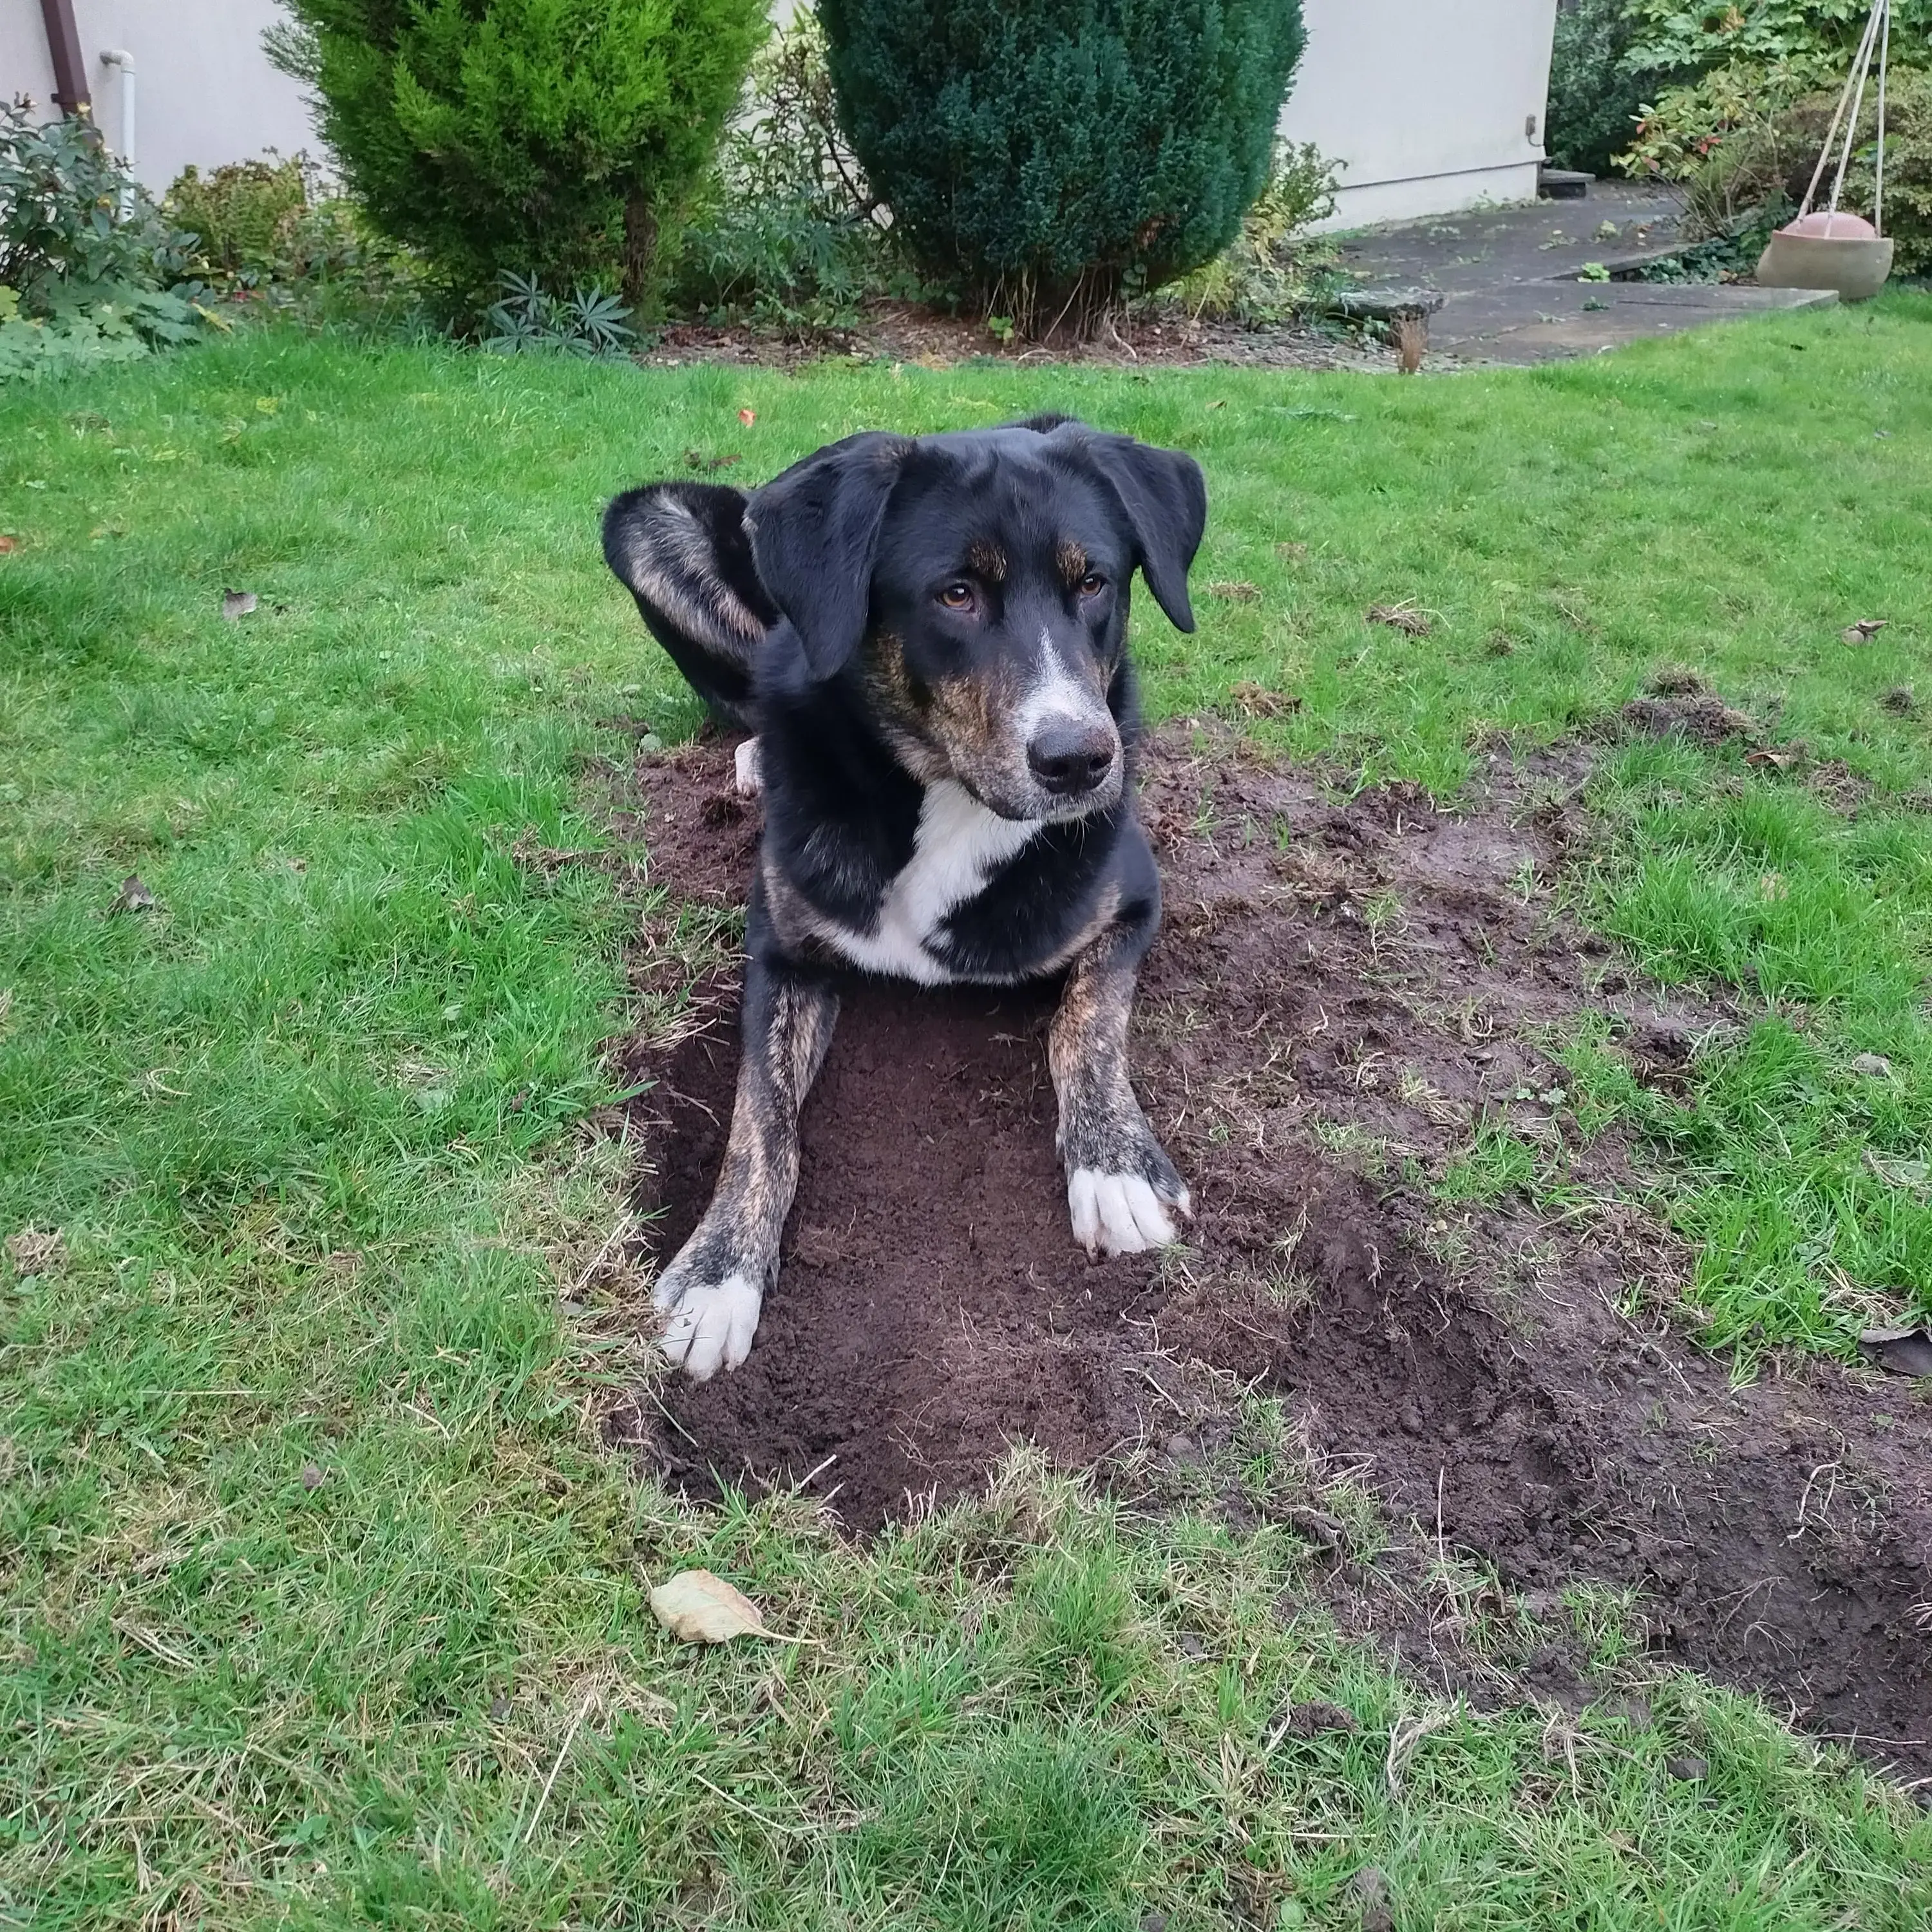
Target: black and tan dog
x=928 y=637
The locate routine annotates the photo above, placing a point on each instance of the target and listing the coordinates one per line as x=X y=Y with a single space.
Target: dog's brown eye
x=957 y=597
x=1092 y=584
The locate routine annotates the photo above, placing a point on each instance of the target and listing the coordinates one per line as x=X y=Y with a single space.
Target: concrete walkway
x=1507 y=277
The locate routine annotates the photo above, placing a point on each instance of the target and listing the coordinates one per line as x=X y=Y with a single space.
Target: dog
x=928 y=637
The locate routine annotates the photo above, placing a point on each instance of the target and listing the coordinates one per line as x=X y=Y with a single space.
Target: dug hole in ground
x=1343 y=989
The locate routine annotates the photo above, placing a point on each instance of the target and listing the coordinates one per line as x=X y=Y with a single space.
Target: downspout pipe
x=118 y=57
x=70 y=94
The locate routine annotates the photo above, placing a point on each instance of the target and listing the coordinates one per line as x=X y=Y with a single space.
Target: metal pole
x=71 y=94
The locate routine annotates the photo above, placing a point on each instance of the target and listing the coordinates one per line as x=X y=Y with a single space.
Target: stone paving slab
x=1622 y=225
x=1542 y=322
x=1507 y=277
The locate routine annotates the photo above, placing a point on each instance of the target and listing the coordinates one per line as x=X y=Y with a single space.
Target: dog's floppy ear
x=682 y=550
x=1165 y=499
x=814 y=533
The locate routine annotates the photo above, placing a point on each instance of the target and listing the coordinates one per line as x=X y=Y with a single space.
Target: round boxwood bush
x=1041 y=159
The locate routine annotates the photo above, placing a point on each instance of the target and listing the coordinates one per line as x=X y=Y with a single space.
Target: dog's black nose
x=1069 y=758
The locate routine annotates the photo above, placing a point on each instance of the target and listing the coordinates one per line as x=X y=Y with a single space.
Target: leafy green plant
x=70 y=212
x=241 y=215
x=278 y=232
x=525 y=321
x=89 y=268
x=1595 y=99
x=1042 y=162
x=1672 y=39
x=787 y=231
x=1747 y=96
x=1271 y=270
x=561 y=136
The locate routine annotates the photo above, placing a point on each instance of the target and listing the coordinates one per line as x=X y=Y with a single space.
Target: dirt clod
x=1702 y=716
x=1344 y=990
x=1313 y=1719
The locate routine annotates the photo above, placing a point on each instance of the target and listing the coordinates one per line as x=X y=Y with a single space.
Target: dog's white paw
x=709 y=1324
x=748 y=780
x=1120 y=1213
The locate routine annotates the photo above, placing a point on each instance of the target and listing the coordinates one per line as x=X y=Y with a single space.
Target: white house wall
x=1430 y=105
x=205 y=92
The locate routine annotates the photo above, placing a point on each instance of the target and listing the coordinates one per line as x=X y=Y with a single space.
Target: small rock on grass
x=1900 y=1351
x=1688 y=1770
x=1873 y=1066
x=237 y=604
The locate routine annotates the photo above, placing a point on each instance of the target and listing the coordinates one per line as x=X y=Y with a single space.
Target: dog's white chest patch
x=958 y=846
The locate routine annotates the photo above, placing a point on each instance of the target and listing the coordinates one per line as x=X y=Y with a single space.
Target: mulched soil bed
x=907 y=332
x=1342 y=988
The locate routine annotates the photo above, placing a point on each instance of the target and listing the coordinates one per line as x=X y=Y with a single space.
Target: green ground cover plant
x=325 y=1599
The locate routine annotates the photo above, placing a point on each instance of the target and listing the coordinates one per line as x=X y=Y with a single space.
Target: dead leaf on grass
x=1235 y=593
x=1290 y=553
x=1406 y=618
x=133 y=896
x=1864 y=631
x=1778 y=757
x=1900 y=1352
x=1371 y=1889
x=1898 y=1172
x=37 y=1251
x=701 y=1608
x=237 y=604
x=696 y=459
x=8 y=543
x=748 y=417
x=1258 y=701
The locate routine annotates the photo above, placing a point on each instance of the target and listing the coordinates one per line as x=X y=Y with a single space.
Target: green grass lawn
x=325 y=1605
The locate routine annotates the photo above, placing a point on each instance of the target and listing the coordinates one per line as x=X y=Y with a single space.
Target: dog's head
x=975 y=585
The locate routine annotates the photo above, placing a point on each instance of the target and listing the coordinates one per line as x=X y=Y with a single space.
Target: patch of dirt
x=899 y=331
x=1344 y=990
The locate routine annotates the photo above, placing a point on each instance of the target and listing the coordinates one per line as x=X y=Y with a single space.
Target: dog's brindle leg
x=1119 y=1182
x=711 y=1292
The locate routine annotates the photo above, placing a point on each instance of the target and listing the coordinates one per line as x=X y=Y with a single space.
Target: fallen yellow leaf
x=704 y=1609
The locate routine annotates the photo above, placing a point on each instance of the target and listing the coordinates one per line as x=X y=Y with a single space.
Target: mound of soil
x=1343 y=991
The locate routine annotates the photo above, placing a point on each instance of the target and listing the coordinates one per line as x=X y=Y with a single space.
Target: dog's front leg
x=1119 y=1183
x=711 y=1294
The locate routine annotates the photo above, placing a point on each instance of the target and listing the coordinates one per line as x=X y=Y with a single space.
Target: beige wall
x=1430 y=105
x=204 y=90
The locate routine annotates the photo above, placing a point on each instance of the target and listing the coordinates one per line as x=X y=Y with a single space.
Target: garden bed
x=1344 y=1037
x=911 y=332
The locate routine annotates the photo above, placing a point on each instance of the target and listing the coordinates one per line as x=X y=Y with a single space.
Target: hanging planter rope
x=1831 y=248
